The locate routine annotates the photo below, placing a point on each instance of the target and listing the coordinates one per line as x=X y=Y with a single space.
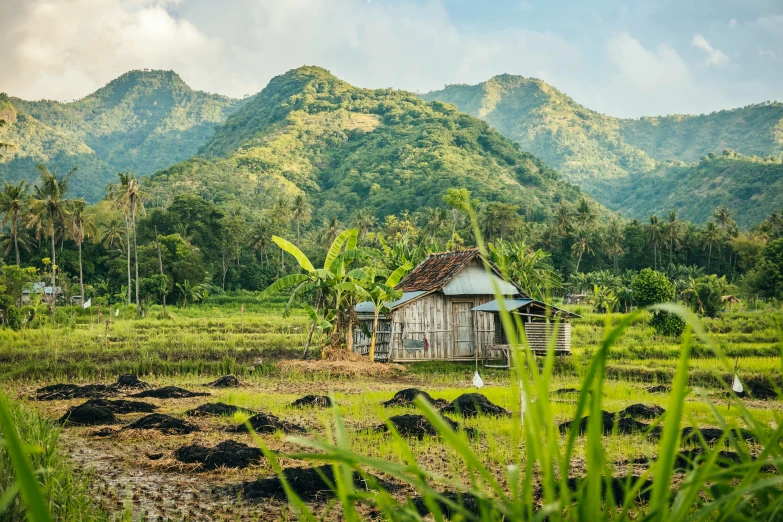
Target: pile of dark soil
x=308 y=483
x=88 y=415
x=227 y=381
x=472 y=404
x=128 y=380
x=59 y=392
x=661 y=388
x=227 y=454
x=690 y=435
x=215 y=409
x=566 y=391
x=268 y=423
x=466 y=501
x=642 y=411
x=163 y=423
x=759 y=387
x=625 y=425
x=419 y=426
x=123 y=406
x=321 y=401
x=169 y=392
x=405 y=398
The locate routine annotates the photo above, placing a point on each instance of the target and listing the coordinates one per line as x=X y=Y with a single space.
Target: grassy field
x=190 y=347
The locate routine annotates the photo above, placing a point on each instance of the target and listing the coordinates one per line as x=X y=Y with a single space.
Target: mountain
x=750 y=186
x=609 y=156
x=143 y=121
x=351 y=148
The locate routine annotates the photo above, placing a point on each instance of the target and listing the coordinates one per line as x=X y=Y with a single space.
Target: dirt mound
x=322 y=401
x=566 y=391
x=59 y=392
x=466 y=501
x=129 y=380
x=760 y=387
x=215 y=409
x=227 y=454
x=227 y=381
x=308 y=483
x=362 y=368
x=690 y=435
x=88 y=415
x=163 y=423
x=625 y=425
x=618 y=486
x=662 y=388
x=268 y=423
x=419 y=426
x=169 y=392
x=405 y=398
x=472 y=404
x=642 y=411
x=123 y=406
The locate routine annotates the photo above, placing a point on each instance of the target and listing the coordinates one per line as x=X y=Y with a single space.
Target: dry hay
x=216 y=409
x=88 y=415
x=344 y=368
x=169 y=392
x=308 y=483
x=321 y=401
x=408 y=395
x=227 y=454
x=164 y=424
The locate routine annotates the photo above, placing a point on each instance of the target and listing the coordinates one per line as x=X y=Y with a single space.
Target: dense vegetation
x=608 y=157
x=309 y=133
x=143 y=121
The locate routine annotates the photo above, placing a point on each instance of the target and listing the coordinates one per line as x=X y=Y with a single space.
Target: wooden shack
x=439 y=316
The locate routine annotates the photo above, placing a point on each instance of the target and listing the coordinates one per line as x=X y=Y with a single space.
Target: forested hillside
x=143 y=121
x=747 y=185
x=350 y=148
x=608 y=157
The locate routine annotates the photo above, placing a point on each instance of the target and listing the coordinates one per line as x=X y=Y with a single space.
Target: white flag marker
x=477 y=382
x=117 y=312
x=737 y=385
x=87 y=303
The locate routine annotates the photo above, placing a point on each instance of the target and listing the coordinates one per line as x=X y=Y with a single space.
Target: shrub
x=652 y=287
x=710 y=296
x=13 y=318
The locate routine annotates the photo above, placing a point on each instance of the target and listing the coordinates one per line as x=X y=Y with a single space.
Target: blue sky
x=628 y=59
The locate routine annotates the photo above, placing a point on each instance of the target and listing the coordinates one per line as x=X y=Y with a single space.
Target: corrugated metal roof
x=367 y=307
x=511 y=304
x=474 y=280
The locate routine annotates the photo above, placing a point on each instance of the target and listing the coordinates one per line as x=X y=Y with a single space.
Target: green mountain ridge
x=143 y=121
x=350 y=148
x=608 y=157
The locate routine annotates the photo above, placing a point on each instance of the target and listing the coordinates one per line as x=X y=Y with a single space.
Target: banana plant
x=380 y=294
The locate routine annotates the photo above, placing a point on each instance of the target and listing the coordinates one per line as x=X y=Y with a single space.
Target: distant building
x=40 y=288
x=448 y=311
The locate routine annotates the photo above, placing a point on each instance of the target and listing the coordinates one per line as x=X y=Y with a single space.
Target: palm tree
x=365 y=221
x=563 y=219
x=301 y=212
x=82 y=227
x=614 y=237
x=673 y=231
x=722 y=217
x=331 y=230
x=13 y=201
x=710 y=235
x=129 y=197
x=435 y=220
x=50 y=209
x=581 y=245
x=261 y=238
x=654 y=237
x=112 y=235
x=584 y=213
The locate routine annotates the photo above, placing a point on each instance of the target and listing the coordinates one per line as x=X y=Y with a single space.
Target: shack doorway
x=462 y=328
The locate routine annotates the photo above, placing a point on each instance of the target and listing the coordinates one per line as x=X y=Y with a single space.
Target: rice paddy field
x=119 y=470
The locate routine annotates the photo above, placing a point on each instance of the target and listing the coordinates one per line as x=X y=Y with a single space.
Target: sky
x=627 y=58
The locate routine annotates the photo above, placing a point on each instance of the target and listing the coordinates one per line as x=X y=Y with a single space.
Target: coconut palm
x=563 y=218
x=82 y=226
x=261 y=239
x=50 y=209
x=129 y=197
x=614 y=240
x=585 y=215
x=673 y=232
x=710 y=235
x=655 y=237
x=301 y=211
x=722 y=217
x=331 y=231
x=581 y=246
x=365 y=221
x=112 y=234
x=13 y=202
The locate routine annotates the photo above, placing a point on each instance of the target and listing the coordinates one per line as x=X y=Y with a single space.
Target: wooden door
x=462 y=328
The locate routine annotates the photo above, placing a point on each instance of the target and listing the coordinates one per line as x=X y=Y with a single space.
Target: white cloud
x=714 y=56
x=733 y=23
